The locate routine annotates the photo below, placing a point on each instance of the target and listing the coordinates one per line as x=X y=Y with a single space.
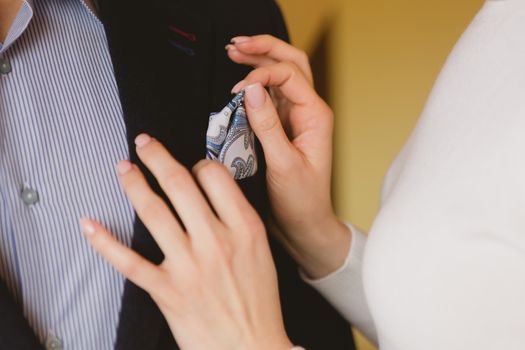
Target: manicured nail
x=87 y=227
x=255 y=96
x=237 y=88
x=142 y=140
x=229 y=46
x=240 y=39
x=124 y=167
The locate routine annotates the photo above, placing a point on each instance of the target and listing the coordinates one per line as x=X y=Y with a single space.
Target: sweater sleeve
x=344 y=288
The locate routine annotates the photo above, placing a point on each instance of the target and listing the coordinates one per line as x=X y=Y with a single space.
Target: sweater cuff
x=344 y=289
x=353 y=260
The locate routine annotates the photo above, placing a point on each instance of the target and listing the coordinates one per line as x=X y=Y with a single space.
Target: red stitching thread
x=189 y=36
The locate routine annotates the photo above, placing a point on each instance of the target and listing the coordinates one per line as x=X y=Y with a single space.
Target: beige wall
x=384 y=56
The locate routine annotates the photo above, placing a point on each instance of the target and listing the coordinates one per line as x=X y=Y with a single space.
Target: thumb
x=266 y=124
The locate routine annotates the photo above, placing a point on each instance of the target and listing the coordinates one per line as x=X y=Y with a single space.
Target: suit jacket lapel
x=15 y=332
x=164 y=92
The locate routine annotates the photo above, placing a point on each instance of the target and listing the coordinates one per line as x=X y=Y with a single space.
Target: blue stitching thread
x=188 y=51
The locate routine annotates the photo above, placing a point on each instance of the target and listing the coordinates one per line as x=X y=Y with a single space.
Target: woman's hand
x=297 y=142
x=217 y=286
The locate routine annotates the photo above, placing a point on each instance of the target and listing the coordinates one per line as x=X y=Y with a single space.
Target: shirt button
x=53 y=343
x=5 y=66
x=29 y=196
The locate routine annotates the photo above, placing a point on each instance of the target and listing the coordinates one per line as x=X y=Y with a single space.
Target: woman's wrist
x=330 y=250
x=319 y=248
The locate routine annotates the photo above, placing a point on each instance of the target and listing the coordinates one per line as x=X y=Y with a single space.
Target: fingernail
x=124 y=167
x=142 y=140
x=237 y=88
x=87 y=227
x=240 y=39
x=255 y=96
x=229 y=46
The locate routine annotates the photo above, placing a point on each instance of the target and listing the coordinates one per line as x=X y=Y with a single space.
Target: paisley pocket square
x=230 y=139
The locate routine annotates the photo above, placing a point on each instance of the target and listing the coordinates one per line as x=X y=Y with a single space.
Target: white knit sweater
x=444 y=265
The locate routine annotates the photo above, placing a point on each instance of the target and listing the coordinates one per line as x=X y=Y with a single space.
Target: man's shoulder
x=249 y=17
x=251 y=8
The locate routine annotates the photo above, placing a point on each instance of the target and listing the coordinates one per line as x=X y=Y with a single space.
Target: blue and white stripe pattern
x=61 y=134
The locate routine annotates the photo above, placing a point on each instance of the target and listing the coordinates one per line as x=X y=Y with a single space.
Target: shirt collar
x=22 y=20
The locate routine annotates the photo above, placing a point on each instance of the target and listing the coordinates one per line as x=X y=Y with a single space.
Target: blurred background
x=375 y=61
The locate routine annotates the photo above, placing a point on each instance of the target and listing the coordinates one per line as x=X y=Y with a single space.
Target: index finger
x=275 y=49
x=286 y=77
x=136 y=268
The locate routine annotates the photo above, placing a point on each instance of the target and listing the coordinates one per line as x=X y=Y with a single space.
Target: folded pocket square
x=230 y=139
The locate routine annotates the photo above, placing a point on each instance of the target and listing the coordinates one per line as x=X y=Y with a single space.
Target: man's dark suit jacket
x=169 y=83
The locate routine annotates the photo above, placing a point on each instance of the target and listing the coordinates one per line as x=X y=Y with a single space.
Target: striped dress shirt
x=61 y=134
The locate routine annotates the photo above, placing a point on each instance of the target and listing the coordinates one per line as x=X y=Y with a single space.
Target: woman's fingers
x=254 y=60
x=152 y=210
x=137 y=269
x=224 y=194
x=286 y=77
x=269 y=47
x=179 y=186
x=267 y=125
